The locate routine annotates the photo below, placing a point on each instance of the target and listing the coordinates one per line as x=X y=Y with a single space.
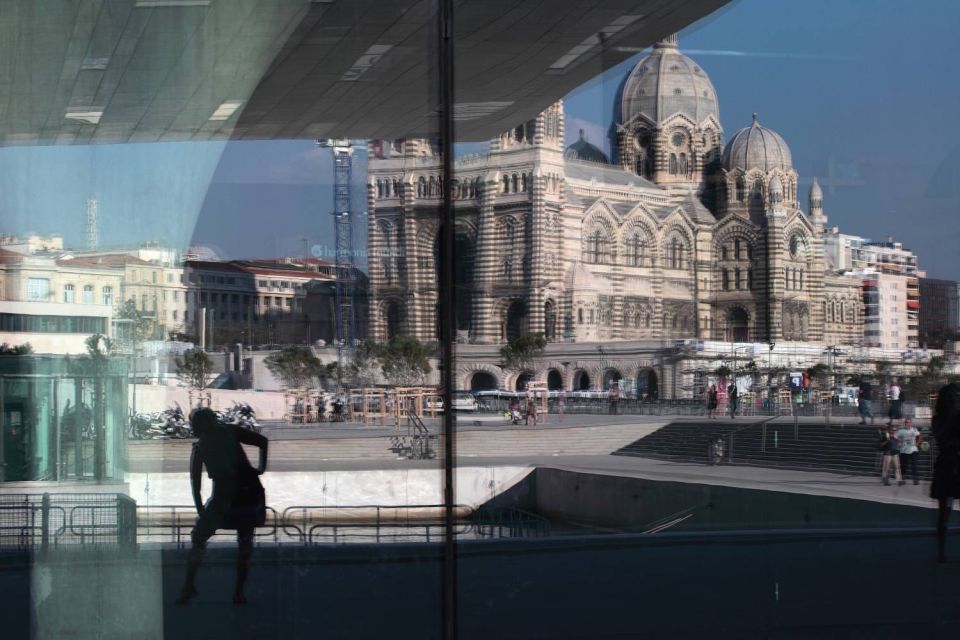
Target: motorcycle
x=166 y=424
x=240 y=414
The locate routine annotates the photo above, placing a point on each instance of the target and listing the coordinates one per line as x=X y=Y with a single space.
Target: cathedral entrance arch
x=483 y=381
x=463 y=256
x=581 y=380
x=648 y=386
x=523 y=380
x=554 y=380
x=393 y=318
x=738 y=325
x=516 y=321
x=611 y=377
x=550 y=320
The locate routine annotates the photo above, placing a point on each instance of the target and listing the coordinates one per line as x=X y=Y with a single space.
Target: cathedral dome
x=756 y=147
x=667 y=82
x=583 y=150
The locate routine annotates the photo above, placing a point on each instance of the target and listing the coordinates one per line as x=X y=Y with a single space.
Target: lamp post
x=832 y=351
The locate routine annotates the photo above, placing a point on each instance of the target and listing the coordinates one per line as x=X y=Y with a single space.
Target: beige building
x=54 y=304
x=890 y=322
x=679 y=236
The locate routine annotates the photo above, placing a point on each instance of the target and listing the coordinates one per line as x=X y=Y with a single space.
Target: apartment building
x=940 y=313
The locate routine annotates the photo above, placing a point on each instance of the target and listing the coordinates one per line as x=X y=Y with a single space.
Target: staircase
x=844 y=448
x=682 y=441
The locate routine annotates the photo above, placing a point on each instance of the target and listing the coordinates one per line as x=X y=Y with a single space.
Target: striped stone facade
x=565 y=243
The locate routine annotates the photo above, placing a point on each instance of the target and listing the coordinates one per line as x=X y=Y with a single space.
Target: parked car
x=464 y=401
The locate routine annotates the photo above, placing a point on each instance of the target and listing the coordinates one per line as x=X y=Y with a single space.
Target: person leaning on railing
x=238 y=500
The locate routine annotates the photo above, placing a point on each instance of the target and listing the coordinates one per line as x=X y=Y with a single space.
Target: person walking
x=946 y=468
x=908 y=437
x=891 y=458
x=614 y=398
x=864 y=401
x=733 y=399
x=895 y=411
x=238 y=500
x=712 y=402
x=562 y=404
x=531 y=413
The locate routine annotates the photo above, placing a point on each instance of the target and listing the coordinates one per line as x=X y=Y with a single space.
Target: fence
x=52 y=520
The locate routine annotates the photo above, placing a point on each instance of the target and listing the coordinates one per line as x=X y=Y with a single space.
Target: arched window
x=724 y=252
x=676 y=254
x=801 y=280
x=592 y=317
x=594 y=250
x=421 y=187
x=523 y=182
x=750 y=279
x=506 y=270
x=506 y=183
x=673 y=164
x=741 y=189
x=683 y=164
x=509 y=233
x=516 y=183
x=842 y=314
x=736 y=248
x=757 y=191
x=725 y=279
x=635 y=250
x=736 y=278
x=580 y=315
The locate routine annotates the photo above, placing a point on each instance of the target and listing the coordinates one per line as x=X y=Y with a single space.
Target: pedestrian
x=238 y=500
x=712 y=402
x=894 y=412
x=531 y=412
x=733 y=399
x=562 y=404
x=908 y=437
x=946 y=468
x=614 y=399
x=863 y=401
x=891 y=459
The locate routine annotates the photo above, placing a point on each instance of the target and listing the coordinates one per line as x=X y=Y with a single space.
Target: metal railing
x=51 y=520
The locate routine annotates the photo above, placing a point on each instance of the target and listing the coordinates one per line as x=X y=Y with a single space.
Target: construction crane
x=344 y=271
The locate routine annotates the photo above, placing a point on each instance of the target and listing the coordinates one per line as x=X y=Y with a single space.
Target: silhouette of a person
x=238 y=500
x=946 y=468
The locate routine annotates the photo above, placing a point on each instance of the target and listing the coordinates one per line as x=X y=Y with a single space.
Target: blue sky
x=863 y=91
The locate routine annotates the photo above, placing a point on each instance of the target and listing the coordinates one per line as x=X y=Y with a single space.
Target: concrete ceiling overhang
x=113 y=71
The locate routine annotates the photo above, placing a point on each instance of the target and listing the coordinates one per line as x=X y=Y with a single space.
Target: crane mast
x=344 y=270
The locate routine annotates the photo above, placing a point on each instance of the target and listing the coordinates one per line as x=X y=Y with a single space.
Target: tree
x=365 y=367
x=405 y=361
x=194 y=368
x=93 y=366
x=723 y=371
x=297 y=367
x=24 y=349
x=137 y=326
x=522 y=352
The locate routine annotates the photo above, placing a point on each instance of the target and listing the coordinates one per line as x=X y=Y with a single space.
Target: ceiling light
x=90 y=115
x=154 y=4
x=363 y=64
x=226 y=109
x=593 y=40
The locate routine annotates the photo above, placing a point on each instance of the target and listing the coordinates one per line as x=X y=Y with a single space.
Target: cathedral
x=678 y=236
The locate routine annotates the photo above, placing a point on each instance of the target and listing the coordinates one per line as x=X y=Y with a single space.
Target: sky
x=863 y=91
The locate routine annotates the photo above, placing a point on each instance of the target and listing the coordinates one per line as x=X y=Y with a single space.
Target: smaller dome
x=756 y=147
x=583 y=150
x=776 y=189
x=816 y=193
